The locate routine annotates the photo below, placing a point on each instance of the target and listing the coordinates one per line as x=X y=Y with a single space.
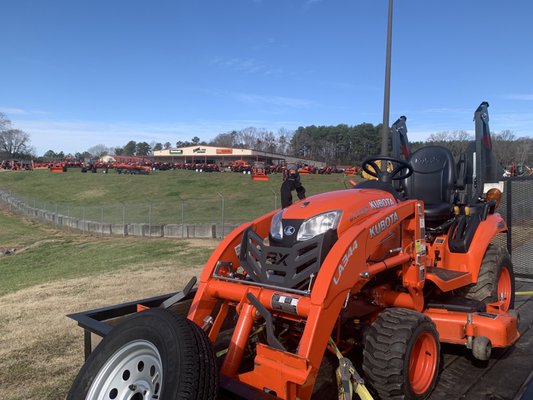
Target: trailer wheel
x=401 y=355
x=152 y=354
x=495 y=280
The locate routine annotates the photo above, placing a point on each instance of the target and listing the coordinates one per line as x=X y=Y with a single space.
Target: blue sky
x=77 y=73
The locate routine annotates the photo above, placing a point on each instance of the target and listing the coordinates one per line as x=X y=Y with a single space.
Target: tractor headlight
x=276 y=228
x=318 y=224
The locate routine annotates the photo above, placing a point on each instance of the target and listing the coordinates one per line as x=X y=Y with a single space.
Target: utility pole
x=386 y=101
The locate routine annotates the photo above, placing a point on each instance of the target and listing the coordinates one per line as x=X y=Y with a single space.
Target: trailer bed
x=507 y=375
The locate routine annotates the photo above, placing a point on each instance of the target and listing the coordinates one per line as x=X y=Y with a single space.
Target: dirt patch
x=90 y=194
x=41 y=350
x=203 y=243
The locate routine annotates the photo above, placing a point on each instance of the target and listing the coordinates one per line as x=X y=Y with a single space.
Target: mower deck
x=504 y=376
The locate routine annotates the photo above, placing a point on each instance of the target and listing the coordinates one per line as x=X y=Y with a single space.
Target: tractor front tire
x=495 y=280
x=401 y=355
x=152 y=354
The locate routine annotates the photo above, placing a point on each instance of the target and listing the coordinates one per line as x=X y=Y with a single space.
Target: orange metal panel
x=501 y=329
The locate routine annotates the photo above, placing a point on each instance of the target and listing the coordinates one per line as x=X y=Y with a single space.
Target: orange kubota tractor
x=259 y=172
x=367 y=281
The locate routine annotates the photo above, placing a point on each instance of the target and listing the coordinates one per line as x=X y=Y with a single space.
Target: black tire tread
x=194 y=375
x=385 y=351
x=485 y=289
x=208 y=364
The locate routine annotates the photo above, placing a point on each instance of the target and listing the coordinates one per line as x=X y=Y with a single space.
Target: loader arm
x=345 y=270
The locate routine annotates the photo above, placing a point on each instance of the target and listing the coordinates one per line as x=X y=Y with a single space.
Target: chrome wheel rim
x=133 y=372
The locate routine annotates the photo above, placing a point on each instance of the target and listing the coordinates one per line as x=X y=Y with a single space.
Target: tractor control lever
x=271 y=337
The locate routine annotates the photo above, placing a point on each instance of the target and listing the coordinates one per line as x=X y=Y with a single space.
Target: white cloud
x=521 y=97
x=279 y=101
x=245 y=65
x=19 y=111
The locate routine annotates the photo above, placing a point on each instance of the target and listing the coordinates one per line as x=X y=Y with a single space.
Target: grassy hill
x=158 y=197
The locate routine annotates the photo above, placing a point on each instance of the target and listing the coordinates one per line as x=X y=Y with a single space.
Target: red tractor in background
x=259 y=172
x=354 y=289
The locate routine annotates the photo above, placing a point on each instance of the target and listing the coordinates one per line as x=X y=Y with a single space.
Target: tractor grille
x=288 y=267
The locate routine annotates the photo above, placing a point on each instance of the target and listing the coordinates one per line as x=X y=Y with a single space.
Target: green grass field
x=157 y=198
x=52 y=273
x=55 y=272
x=46 y=255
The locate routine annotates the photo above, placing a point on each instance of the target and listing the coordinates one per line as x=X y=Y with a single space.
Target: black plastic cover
x=288 y=267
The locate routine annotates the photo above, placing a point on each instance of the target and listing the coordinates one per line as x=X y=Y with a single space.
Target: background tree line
x=336 y=145
x=14 y=143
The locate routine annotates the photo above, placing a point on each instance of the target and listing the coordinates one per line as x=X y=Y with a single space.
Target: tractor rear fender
x=471 y=260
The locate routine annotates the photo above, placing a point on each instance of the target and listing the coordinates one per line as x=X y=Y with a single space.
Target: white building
x=224 y=155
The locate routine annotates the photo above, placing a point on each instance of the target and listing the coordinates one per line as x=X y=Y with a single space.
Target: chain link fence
x=213 y=216
x=517 y=210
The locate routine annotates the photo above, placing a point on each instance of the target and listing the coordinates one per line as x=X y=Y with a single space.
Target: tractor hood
x=332 y=211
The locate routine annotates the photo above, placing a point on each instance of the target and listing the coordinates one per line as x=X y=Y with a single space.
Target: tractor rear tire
x=495 y=279
x=401 y=355
x=152 y=354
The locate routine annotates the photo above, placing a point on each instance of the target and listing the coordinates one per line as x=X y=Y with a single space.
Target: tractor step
x=457 y=304
x=446 y=274
x=448 y=279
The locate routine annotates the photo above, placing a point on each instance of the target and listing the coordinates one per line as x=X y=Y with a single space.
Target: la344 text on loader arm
x=365 y=282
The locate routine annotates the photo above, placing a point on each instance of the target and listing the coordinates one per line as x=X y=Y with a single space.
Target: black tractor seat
x=433 y=181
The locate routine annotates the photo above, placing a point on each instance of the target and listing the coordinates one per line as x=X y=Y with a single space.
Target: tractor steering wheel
x=384 y=175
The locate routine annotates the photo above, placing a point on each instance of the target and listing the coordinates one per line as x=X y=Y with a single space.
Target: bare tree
x=14 y=142
x=99 y=150
x=5 y=123
x=456 y=141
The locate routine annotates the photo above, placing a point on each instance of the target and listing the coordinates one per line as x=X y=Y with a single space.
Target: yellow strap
x=360 y=388
x=363 y=392
x=530 y=293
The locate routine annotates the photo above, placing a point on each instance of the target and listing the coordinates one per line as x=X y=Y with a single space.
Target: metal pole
x=83 y=219
x=222 y=222
x=509 y=206
x=386 y=101
x=56 y=215
x=150 y=220
x=123 y=220
x=102 y=221
x=182 y=218
x=275 y=198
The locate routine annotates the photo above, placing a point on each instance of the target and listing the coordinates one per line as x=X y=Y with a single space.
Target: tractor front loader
x=350 y=290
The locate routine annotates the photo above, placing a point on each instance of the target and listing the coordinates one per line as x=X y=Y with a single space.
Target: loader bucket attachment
x=256 y=177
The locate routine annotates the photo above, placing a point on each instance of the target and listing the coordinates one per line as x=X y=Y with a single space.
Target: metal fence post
x=102 y=222
x=222 y=214
x=150 y=220
x=509 y=201
x=55 y=219
x=275 y=198
x=83 y=219
x=182 y=216
x=123 y=220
